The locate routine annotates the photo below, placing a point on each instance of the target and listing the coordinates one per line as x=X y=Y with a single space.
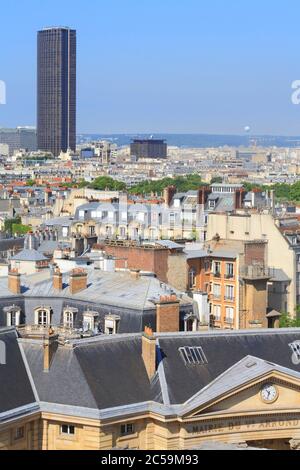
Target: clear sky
x=191 y=66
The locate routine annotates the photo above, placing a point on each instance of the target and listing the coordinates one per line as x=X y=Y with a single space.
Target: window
x=67 y=429
x=69 y=320
x=111 y=324
x=229 y=292
x=43 y=318
x=217 y=291
x=193 y=355
x=20 y=433
x=192 y=278
x=207 y=266
x=13 y=319
x=122 y=232
x=217 y=268
x=229 y=270
x=92 y=230
x=172 y=219
x=65 y=231
x=127 y=429
x=140 y=217
x=229 y=314
x=217 y=312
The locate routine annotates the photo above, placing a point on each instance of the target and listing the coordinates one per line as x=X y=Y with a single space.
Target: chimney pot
x=167 y=314
x=78 y=280
x=50 y=346
x=149 y=352
x=57 y=279
x=14 y=281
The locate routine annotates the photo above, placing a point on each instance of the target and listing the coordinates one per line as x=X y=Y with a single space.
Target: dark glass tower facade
x=56 y=90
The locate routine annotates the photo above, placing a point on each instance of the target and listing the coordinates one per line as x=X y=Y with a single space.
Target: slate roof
x=29 y=255
x=115 y=288
x=16 y=390
x=101 y=373
x=222 y=351
x=107 y=373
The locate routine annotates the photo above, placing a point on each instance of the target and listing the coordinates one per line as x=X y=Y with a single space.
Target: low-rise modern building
x=149 y=148
x=19 y=138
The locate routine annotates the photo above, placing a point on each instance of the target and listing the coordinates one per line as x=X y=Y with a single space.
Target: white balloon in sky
x=247 y=129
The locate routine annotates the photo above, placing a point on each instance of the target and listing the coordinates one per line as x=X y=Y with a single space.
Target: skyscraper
x=56 y=89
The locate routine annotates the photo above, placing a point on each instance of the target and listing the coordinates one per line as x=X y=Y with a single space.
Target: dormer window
x=43 y=316
x=111 y=325
x=13 y=314
x=89 y=320
x=69 y=317
x=212 y=204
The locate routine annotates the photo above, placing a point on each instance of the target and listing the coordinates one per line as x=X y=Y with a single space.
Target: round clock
x=269 y=393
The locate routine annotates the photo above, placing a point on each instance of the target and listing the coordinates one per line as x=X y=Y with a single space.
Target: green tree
x=8 y=225
x=286 y=321
x=216 y=179
x=106 y=182
x=19 y=229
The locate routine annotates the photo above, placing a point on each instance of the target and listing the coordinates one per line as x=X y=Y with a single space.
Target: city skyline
x=164 y=68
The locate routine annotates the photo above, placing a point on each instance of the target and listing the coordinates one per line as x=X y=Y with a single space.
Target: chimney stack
x=239 y=198
x=14 y=281
x=135 y=273
x=169 y=193
x=50 y=346
x=149 y=351
x=167 y=314
x=78 y=280
x=57 y=279
x=203 y=194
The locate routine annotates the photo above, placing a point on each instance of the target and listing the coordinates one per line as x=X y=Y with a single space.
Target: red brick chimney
x=78 y=280
x=167 y=314
x=169 y=193
x=203 y=194
x=149 y=352
x=57 y=279
x=14 y=281
x=239 y=198
x=50 y=345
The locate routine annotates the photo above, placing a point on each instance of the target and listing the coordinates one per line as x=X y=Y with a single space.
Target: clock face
x=269 y=393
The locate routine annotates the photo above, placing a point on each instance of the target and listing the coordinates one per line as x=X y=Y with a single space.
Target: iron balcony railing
x=255 y=272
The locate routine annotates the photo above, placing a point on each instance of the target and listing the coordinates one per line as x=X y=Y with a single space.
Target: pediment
x=240 y=389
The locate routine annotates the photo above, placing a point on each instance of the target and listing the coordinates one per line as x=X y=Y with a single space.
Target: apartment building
x=283 y=247
x=235 y=277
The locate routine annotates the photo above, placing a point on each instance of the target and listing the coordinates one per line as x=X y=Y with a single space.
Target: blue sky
x=193 y=66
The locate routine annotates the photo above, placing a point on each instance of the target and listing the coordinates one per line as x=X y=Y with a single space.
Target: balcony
x=229 y=299
x=229 y=276
x=216 y=274
x=253 y=272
